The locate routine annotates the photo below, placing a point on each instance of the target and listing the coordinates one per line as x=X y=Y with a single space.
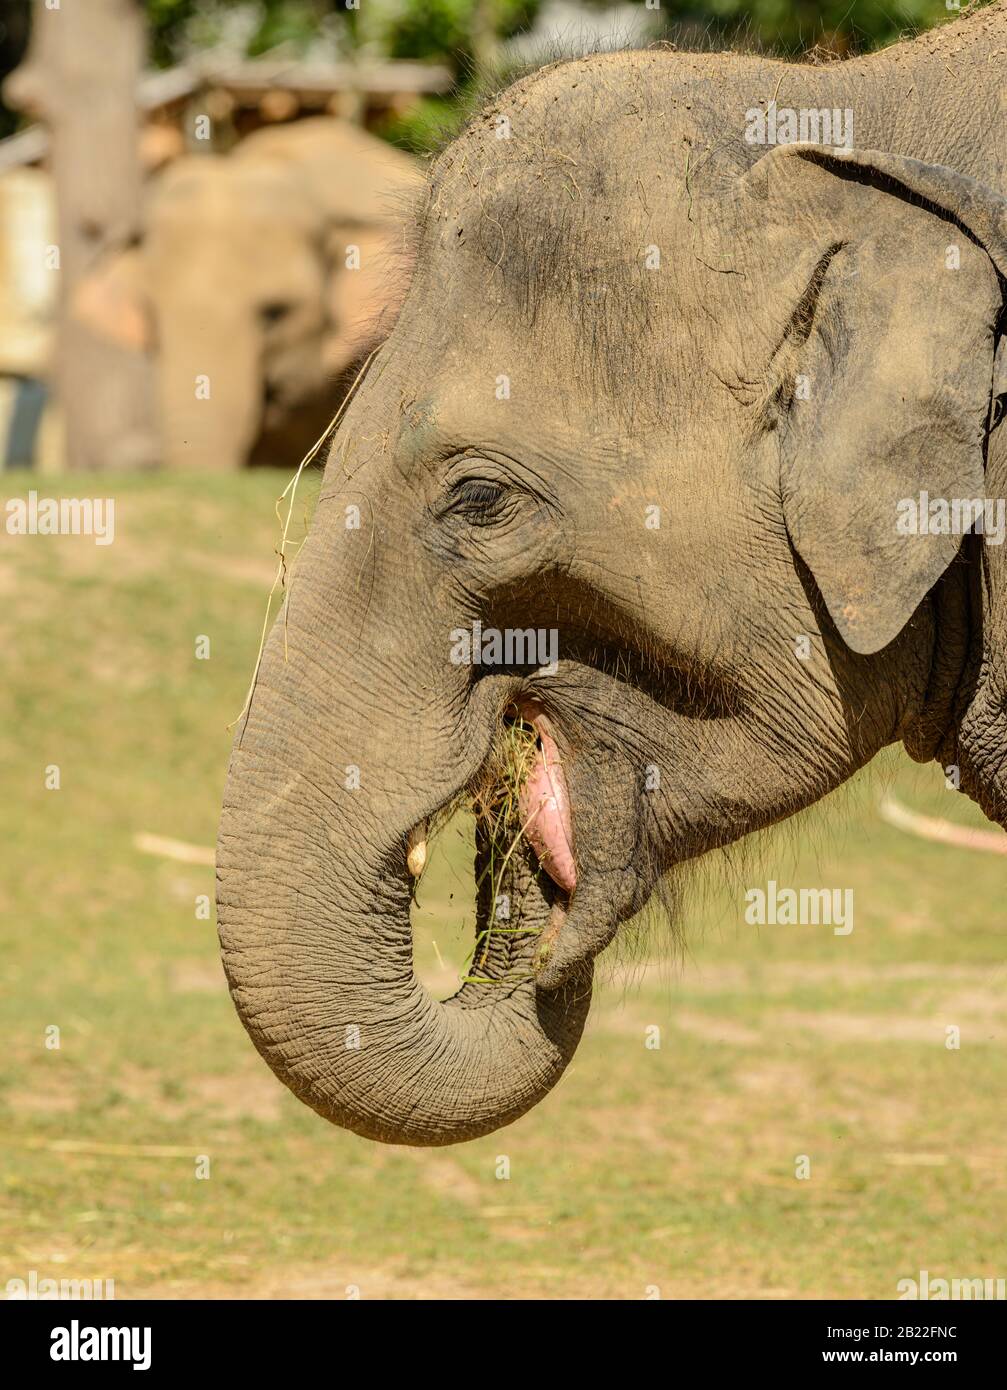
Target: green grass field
x=669 y=1168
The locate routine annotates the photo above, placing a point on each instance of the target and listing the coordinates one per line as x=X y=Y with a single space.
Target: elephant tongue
x=545 y=813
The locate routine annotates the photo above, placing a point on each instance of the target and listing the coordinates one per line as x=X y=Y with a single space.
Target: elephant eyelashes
x=476 y=499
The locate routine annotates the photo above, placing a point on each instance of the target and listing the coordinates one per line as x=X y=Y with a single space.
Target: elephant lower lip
x=545 y=814
x=544 y=807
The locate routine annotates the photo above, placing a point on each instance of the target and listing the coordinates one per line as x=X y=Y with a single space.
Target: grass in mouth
x=496 y=802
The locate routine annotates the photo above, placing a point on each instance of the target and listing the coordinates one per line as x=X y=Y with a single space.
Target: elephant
x=290 y=240
x=664 y=380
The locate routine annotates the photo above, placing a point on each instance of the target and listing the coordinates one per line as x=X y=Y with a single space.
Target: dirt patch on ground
x=448 y=1178
x=342 y=1280
x=252 y=1093
x=781 y=976
x=247 y=1095
x=57 y=1097
x=259 y=573
x=197 y=976
x=716 y=1030
x=347 y=1280
x=844 y=1027
x=782 y=1080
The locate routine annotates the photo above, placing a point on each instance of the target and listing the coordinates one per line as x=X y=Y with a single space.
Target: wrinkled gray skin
x=629 y=388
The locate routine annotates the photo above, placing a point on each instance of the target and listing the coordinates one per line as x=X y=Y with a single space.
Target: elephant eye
x=999 y=410
x=274 y=311
x=476 y=499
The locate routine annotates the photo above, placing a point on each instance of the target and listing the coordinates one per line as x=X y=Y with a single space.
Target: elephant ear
x=884 y=372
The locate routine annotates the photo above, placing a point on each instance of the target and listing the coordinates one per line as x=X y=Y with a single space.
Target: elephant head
x=665 y=408
x=265 y=270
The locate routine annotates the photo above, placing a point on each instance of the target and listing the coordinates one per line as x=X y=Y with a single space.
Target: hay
x=495 y=800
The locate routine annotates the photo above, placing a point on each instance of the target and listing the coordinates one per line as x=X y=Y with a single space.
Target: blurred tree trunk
x=80 y=77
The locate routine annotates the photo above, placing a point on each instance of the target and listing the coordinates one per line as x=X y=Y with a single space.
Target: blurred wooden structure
x=242 y=96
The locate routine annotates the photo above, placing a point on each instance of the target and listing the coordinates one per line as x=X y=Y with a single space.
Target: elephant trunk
x=211 y=386
x=313 y=913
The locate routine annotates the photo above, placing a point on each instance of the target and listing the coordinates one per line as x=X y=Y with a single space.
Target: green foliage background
x=465 y=35
x=448 y=29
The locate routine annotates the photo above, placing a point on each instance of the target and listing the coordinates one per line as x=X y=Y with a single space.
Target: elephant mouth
x=520 y=798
